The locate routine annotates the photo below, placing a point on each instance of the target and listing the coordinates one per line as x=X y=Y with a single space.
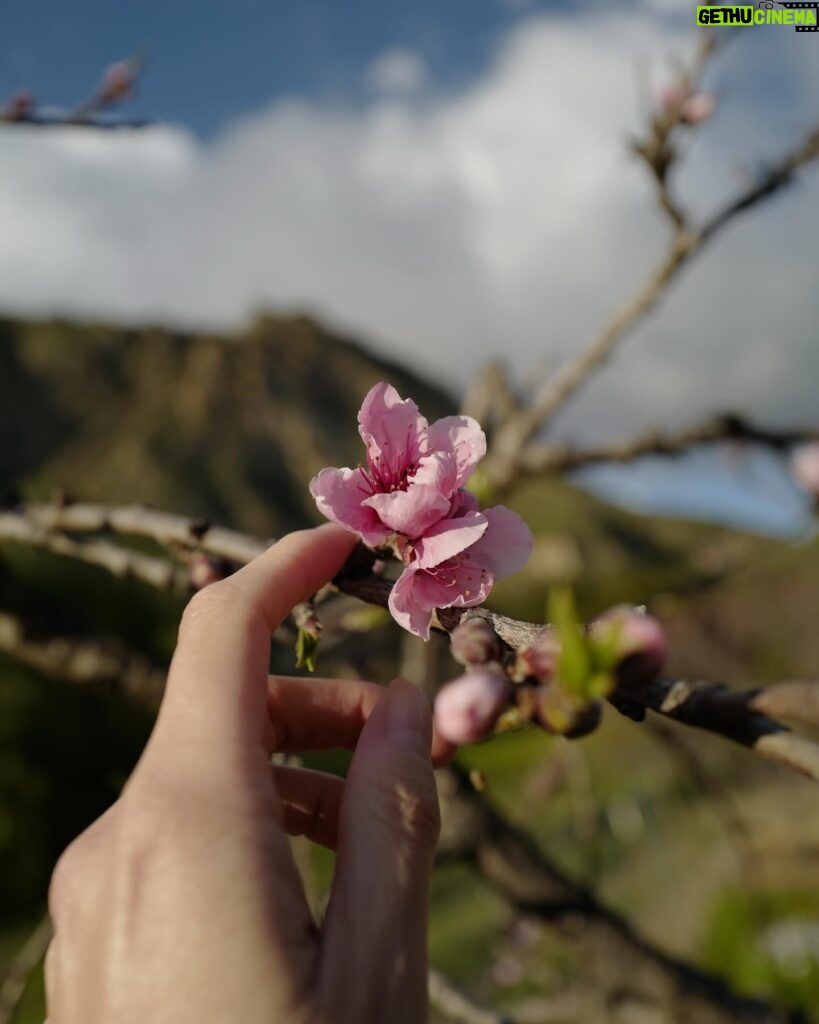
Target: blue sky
x=213 y=60
x=446 y=180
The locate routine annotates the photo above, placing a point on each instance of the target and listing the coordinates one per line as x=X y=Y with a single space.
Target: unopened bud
x=542 y=658
x=566 y=713
x=698 y=108
x=467 y=708
x=805 y=468
x=634 y=643
x=474 y=642
x=692 y=107
x=118 y=81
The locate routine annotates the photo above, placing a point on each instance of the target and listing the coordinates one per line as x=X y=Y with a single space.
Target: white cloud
x=397 y=71
x=506 y=218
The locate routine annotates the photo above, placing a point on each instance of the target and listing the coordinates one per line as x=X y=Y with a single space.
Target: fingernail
x=408 y=717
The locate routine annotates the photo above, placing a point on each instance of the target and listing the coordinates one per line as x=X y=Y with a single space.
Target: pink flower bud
x=698 y=107
x=541 y=659
x=692 y=107
x=18 y=107
x=474 y=642
x=467 y=708
x=118 y=81
x=205 y=570
x=636 y=641
x=805 y=468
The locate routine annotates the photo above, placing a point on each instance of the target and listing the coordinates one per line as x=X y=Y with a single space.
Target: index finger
x=217 y=685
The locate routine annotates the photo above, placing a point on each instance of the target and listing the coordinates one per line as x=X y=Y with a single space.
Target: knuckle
x=209 y=603
x=412 y=799
x=69 y=877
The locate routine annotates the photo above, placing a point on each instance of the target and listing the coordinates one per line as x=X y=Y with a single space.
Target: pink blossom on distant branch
x=805 y=468
x=693 y=107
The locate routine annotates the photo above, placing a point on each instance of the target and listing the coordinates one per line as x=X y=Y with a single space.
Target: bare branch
x=166 y=529
x=512 y=438
x=709 y=706
x=557 y=458
x=156 y=572
x=83 y=662
x=71 y=121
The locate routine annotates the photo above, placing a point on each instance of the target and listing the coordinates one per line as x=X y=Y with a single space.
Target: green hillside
x=233 y=428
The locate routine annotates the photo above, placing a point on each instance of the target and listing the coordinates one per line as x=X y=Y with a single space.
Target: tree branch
x=738 y=716
x=512 y=438
x=558 y=458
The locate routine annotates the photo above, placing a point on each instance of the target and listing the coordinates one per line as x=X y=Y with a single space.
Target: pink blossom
x=467 y=708
x=805 y=467
x=409 y=494
x=698 y=107
x=118 y=81
x=693 y=107
x=412 y=472
x=465 y=576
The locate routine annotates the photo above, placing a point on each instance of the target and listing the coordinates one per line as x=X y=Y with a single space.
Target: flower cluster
x=409 y=494
x=623 y=648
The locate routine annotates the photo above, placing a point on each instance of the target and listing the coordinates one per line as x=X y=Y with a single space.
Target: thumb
x=376 y=925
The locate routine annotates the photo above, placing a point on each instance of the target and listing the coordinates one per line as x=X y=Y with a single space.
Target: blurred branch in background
x=18 y=975
x=745 y=717
x=628 y=970
x=514 y=451
x=118 y=83
x=549 y=457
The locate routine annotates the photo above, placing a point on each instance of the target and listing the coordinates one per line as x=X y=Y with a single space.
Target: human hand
x=183 y=902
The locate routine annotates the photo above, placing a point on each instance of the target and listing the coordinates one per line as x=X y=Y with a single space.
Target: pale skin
x=183 y=902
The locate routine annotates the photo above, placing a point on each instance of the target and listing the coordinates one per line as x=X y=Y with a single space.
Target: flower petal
x=439 y=470
x=448 y=537
x=339 y=494
x=506 y=545
x=411 y=512
x=458 y=586
x=463 y=436
x=405 y=607
x=392 y=429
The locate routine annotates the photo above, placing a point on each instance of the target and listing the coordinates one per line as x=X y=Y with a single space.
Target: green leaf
x=575 y=663
x=306 y=649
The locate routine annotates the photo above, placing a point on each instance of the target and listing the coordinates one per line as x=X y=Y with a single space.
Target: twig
x=557 y=458
x=166 y=529
x=156 y=572
x=709 y=706
x=72 y=121
x=455 y=1005
x=83 y=662
x=511 y=439
x=17 y=977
